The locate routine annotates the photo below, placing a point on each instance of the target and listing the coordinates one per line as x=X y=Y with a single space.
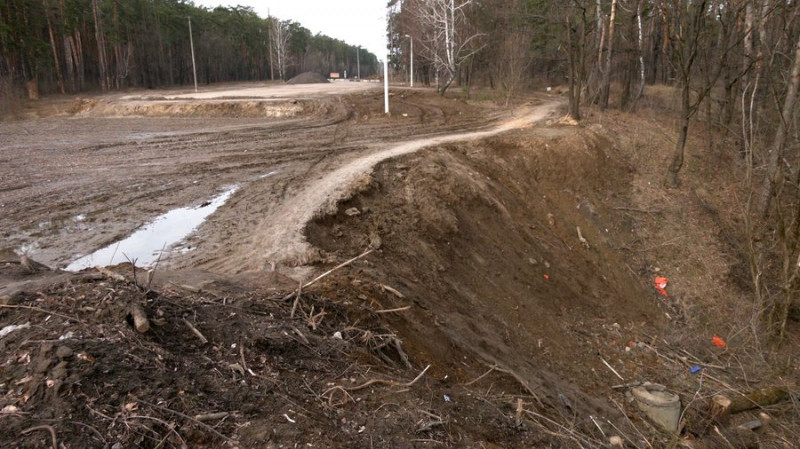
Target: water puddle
x=146 y=244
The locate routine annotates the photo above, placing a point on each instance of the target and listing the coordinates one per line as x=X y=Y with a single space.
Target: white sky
x=357 y=22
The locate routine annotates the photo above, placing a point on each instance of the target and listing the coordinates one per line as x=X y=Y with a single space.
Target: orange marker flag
x=661 y=285
x=718 y=342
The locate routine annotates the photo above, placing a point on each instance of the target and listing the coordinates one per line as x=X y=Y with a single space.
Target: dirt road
x=93 y=170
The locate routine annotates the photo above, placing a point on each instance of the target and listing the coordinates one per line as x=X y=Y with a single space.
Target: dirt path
x=279 y=237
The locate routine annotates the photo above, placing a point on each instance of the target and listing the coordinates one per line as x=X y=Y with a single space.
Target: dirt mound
x=511 y=254
x=483 y=237
x=226 y=360
x=308 y=78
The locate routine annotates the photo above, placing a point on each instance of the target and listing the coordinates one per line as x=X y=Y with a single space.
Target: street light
x=411 y=39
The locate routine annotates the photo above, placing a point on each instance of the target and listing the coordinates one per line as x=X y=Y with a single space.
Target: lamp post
x=191 y=44
x=411 y=40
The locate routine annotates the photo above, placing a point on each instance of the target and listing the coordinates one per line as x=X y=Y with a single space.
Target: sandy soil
x=479 y=319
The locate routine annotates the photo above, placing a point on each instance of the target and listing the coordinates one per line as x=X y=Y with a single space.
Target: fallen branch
x=139 y=318
x=167 y=425
x=634 y=209
x=337 y=267
x=391 y=383
x=581 y=239
x=723 y=406
x=399 y=309
x=392 y=291
x=43 y=427
x=481 y=376
x=195 y=331
x=521 y=381
x=211 y=416
x=612 y=369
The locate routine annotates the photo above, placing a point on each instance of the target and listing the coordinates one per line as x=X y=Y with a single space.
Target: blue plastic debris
x=695 y=369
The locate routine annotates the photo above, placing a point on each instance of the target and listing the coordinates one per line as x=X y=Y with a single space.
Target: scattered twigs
x=612 y=369
x=345 y=394
x=321 y=276
x=37 y=309
x=196 y=332
x=302 y=337
x=426 y=425
x=315 y=320
x=399 y=309
x=151 y=273
x=570 y=433
x=177 y=413
x=297 y=296
x=630 y=423
x=44 y=427
x=169 y=427
x=521 y=381
x=96 y=432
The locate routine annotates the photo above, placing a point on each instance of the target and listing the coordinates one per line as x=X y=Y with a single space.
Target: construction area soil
x=454 y=274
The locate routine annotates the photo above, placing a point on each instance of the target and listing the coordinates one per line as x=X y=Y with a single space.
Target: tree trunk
x=774 y=166
x=640 y=41
x=574 y=73
x=101 y=48
x=675 y=166
x=605 y=83
x=53 y=48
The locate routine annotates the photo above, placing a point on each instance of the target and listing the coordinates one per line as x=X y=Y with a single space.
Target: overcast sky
x=357 y=22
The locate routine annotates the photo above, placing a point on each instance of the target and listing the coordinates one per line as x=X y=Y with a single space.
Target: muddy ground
x=503 y=298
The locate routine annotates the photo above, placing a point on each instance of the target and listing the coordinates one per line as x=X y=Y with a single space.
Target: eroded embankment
x=482 y=239
x=165 y=107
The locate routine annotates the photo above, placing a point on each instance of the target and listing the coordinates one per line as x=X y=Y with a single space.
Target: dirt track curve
x=279 y=237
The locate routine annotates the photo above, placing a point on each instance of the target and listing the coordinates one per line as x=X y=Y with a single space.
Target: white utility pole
x=411 y=39
x=386 y=83
x=358 y=63
x=191 y=45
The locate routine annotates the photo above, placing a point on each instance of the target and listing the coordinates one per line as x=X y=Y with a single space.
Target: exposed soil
x=307 y=78
x=479 y=318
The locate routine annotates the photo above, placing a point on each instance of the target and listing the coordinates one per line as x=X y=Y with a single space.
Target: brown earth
x=307 y=78
x=479 y=319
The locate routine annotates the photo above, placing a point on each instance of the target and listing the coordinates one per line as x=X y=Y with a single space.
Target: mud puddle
x=160 y=235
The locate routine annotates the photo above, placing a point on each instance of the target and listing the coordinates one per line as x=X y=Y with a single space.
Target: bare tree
x=605 y=71
x=279 y=44
x=774 y=165
x=447 y=37
x=576 y=20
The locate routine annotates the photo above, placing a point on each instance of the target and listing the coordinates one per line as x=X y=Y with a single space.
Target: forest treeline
x=78 y=45
x=733 y=65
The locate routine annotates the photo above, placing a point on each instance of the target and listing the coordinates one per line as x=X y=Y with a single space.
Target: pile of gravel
x=308 y=78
